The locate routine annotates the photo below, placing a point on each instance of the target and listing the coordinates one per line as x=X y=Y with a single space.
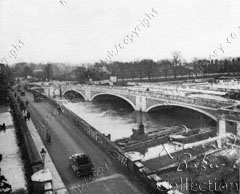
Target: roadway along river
x=67 y=139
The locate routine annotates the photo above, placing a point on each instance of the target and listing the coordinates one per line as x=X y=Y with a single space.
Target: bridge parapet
x=190 y=100
x=172 y=97
x=232 y=115
x=142 y=100
x=165 y=95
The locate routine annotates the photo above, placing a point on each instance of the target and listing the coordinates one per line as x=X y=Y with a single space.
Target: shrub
x=20 y=191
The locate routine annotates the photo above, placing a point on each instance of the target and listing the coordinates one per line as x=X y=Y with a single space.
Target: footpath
x=58 y=185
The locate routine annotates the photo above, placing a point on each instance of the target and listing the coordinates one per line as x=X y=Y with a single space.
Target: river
x=117 y=118
x=11 y=164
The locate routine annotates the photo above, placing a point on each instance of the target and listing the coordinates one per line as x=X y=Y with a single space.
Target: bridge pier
x=221 y=127
x=60 y=92
x=238 y=129
x=141 y=103
x=88 y=94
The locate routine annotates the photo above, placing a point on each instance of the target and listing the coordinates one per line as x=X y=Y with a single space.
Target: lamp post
x=60 y=91
x=43 y=154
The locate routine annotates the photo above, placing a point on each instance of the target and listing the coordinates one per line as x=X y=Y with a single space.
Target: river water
x=117 y=118
x=11 y=164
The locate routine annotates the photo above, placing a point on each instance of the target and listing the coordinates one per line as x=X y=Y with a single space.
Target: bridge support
x=221 y=127
x=88 y=94
x=141 y=103
x=50 y=92
x=60 y=91
x=238 y=129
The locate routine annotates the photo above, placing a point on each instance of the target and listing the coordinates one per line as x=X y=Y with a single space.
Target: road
x=68 y=139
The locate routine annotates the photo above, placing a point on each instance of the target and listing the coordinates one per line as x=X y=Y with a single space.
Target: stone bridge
x=145 y=101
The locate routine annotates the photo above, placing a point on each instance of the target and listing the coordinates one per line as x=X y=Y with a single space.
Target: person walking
x=28 y=115
x=3 y=127
x=48 y=136
x=141 y=128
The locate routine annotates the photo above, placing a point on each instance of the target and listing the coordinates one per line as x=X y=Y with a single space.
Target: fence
x=34 y=155
x=166 y=94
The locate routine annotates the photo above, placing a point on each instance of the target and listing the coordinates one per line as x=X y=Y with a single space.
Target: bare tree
x=48 y=70
x=176 y=61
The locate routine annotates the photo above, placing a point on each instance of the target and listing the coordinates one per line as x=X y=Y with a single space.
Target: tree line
x=6 y=80
x=145 y=69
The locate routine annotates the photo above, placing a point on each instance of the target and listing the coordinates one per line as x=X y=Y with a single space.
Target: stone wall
x=33 y=154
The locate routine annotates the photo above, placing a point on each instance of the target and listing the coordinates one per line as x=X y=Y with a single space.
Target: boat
x=177 y=137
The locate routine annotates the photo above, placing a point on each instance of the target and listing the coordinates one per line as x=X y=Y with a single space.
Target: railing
x=33 y=153
x=231 y=114
x=168 y=94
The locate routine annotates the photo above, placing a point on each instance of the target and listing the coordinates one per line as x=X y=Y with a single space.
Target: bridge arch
x=119 y=96
x=187 y=107
x=71 y=90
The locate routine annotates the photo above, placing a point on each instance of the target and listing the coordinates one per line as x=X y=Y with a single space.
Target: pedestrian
x=24 y=109
x=3 y=127
x=0 y=157
x=28 y=115
x=141 y=128
x=59 y=109
x=48 y=136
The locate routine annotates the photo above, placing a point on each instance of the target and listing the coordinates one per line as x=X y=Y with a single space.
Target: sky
x=79 y=32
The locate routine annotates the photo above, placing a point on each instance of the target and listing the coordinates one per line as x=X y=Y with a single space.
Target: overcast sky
x=84 y=31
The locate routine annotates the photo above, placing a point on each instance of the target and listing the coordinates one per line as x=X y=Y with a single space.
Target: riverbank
x=32 y=144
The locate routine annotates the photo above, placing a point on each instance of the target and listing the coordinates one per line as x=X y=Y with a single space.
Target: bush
x=20 y=191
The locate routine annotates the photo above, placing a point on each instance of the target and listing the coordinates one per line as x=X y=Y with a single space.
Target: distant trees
x=48 y=71
x=81 y=75
x=43 y=72
x=145 y=69
x=6 y=79
x=166 y=67
x=176 y=60
x=176 y=67
x=18 y=69
x=20 y=191
x=27 y=71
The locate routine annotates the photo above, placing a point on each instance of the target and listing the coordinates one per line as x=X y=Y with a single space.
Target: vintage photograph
x=119 y=97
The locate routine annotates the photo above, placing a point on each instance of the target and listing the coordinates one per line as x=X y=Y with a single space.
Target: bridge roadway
x=67 y=140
